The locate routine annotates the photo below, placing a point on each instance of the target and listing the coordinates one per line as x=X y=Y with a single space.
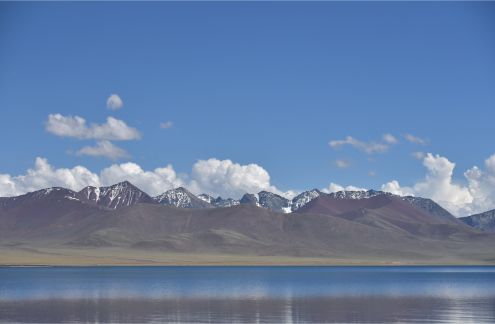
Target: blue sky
x=264 y=83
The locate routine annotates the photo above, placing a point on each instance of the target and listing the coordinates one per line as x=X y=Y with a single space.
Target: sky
x=234 y=97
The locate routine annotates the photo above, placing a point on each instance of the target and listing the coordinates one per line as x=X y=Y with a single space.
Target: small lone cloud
x=114 y=102
x=342 y=163
x=415 y=139
x=166 y=125
x=390 y=139
x=371 y=173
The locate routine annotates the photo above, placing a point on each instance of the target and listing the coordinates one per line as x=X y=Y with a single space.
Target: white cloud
x=415 y=140
x=333 y=187
x=166 y=125
x=390 y=139
x=226 y=178
x=490 y=164
x=342 y=163
x=152 y=182
x=75 y=126
x=212 y=176
x=367 y=147
x=105 y=149
x=114 y=102
x=395 y=188
x=482 y=186
x=43 y=175
x=8 y=186
x=438 y=185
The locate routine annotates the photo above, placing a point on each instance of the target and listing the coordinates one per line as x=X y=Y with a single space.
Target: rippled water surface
x=247 y=294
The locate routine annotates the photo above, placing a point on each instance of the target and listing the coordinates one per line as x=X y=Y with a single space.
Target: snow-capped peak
x=118 y=195
x=304 y=198
x=182 y=198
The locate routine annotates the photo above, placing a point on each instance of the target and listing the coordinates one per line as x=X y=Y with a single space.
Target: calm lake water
x=247 y=294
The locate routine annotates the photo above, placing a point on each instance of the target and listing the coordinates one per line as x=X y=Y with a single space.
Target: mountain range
x=349 y=225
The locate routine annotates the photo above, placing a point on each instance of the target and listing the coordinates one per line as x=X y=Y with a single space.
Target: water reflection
x=248 y=295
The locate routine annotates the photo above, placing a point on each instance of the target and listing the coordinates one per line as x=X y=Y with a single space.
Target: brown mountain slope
x=368 y=229
x=389 y=213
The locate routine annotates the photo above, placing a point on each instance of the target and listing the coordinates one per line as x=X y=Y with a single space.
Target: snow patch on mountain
x=122 y=194
x=304 y=198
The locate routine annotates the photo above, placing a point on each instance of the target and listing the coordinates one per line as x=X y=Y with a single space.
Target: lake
x=402 y=294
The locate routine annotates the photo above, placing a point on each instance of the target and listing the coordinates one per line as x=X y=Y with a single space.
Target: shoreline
x=115 y=257
x=294 y=263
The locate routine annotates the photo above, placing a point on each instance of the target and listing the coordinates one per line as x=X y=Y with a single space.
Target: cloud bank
x=212 y=176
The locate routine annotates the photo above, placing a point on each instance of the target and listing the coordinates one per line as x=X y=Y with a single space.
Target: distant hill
x=484 y=221
x=388 y=212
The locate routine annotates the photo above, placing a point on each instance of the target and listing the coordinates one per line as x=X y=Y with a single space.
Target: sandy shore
x=130 y=257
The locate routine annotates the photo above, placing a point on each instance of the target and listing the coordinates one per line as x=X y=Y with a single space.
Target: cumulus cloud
x=226 y=178
x=490 y=165
x=43 y=175
x=9 y=187
x=342 y=163
x=415 y=140
x=104 y=149
x=75 y=126
x=166 y=125
x=114 y=102
x=438 y=185
x=367 y=147
x=153 y=182
x=395 y=188
x=482 y=185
